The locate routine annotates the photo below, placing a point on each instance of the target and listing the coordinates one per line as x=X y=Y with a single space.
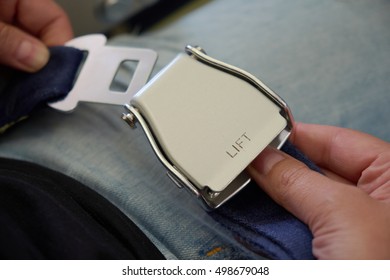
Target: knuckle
x=5 y=31
x=293 y=176
x=290 y=179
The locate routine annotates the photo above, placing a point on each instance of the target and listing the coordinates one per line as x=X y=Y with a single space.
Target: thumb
x=20 y=50
x=303 y=192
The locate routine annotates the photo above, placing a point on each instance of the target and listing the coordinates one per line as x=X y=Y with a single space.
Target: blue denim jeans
x=330 y=61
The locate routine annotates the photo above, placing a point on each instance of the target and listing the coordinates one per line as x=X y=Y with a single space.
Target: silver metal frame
x=209 y=198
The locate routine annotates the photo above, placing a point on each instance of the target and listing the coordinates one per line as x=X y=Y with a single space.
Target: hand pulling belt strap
x=252 y=217
x=26 y=92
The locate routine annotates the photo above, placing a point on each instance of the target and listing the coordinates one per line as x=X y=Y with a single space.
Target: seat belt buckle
x=207 y=121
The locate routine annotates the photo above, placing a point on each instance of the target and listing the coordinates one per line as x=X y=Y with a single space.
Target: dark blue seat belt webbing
x=253 y=218
x=26 y=92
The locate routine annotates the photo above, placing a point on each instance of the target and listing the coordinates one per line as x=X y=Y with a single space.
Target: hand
x=26 y=28
x=348 y=210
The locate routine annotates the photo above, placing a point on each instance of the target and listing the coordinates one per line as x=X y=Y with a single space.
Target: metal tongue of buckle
x=99 y=69
x=206 y=121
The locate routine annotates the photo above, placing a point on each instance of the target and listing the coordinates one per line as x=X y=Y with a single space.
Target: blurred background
x=328 y=59
x=124 y=16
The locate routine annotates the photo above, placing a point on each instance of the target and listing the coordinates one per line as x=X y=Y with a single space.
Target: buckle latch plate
x=99 y=69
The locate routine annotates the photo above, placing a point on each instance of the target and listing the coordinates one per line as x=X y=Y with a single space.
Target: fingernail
x=267 y=160
x=32 y=56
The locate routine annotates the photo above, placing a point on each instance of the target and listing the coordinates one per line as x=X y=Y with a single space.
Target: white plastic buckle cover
x=99 y=69
x=206 y=121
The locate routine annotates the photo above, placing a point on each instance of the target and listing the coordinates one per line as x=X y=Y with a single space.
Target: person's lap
x=329 y=61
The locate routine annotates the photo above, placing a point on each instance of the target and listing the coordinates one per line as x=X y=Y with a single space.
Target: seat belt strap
x=25 y=92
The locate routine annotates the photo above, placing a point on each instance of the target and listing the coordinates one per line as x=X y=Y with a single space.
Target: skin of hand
x=27 y=27
x=348 y=208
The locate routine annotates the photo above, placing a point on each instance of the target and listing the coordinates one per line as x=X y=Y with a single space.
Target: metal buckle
x=99 y=69
x=206 y=121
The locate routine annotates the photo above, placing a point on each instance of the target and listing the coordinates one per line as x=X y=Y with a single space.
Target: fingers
x=45 y=20
x=342 y=151
x=26 y=28
x=303 y=192
x=20 y=50
x=339 y=216
x=308 y=194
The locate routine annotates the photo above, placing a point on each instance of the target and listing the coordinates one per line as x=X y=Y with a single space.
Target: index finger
x=343 y=151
